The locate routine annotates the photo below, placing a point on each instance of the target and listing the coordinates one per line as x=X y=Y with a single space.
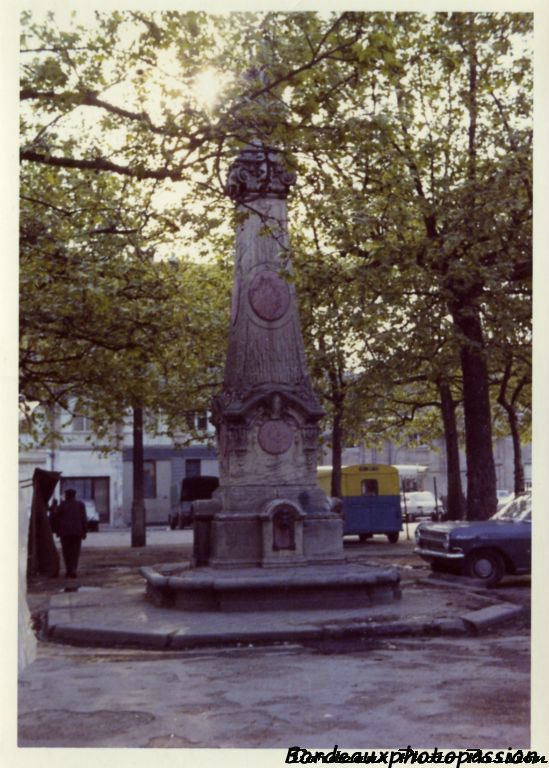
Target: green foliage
x=412 y=138
x=105 y=323
x=433 y=218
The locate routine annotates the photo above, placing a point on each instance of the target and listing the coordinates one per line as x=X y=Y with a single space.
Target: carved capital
x=238 y=439
x=257 y=172
x=310 y=437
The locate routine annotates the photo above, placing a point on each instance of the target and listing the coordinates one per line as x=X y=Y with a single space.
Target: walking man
x=71 y=529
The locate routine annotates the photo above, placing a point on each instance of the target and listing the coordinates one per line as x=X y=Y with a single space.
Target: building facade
x=107 y=478
x=431 y=462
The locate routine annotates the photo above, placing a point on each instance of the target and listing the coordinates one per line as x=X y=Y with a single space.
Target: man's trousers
x=71 y=552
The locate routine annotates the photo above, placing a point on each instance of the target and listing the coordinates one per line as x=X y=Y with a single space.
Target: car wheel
x=365 y=536
x=393 y=537
x=173 y=523
x=485 y=564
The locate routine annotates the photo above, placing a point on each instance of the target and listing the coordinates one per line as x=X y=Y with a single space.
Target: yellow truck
x=370 y=494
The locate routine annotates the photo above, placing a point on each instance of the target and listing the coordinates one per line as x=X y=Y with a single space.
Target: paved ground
x=355 y=692
x=426 y=693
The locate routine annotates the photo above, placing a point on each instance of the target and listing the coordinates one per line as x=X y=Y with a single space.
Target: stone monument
x=270 y=537
x=267 y=416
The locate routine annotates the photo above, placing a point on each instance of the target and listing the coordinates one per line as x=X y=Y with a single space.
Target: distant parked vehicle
x=503 y=497
x=370 y=499
x=92 y=515
x=418 y=504
x=482 y=549
x=192 y=488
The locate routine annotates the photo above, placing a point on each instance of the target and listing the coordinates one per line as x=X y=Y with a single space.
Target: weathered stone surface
x=109 y=636
x=236 y=540
x=492 y=614
x=258 y=172
x=336 y=585
x=265 y=344
x=269 y=295
x=319 y=533
x=275 y=436
x=267 y=414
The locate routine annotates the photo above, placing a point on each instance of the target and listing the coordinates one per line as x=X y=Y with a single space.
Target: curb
x=491 y=616
x=471 y=623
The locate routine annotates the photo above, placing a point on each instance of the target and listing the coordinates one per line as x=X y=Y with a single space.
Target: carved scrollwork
x=310 y=437
x=257 y=172
x=238 y=439
x=310 y=443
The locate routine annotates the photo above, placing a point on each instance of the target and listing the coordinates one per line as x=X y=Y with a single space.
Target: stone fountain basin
x=340 y=585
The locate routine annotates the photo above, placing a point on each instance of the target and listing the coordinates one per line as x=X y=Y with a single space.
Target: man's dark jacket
x=71 y=519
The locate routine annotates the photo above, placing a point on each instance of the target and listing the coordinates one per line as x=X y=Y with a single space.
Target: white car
x=503 y=497
x=419 y=504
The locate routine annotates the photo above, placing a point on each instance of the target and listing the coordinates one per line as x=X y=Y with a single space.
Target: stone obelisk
x=269 y=509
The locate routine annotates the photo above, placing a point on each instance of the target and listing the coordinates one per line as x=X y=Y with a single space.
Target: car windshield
x=517 y=509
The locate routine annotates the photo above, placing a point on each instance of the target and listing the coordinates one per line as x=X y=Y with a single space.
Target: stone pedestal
x=347 y=585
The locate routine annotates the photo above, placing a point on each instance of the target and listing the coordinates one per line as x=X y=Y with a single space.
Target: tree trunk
x=337 y=451
x=517 y=452
x=481 y=471
x=455 y=504
x=138 y=503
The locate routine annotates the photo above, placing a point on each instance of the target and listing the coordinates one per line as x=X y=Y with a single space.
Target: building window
x=81 y=424
x=202 y=422
x=82 y=485
x=96 y=489
x=197 y=421
x=415 y=443
x=149 y=479
x=192 y=467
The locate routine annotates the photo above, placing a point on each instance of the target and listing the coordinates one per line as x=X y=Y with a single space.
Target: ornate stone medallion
x=275 y=436
x=269 y=295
